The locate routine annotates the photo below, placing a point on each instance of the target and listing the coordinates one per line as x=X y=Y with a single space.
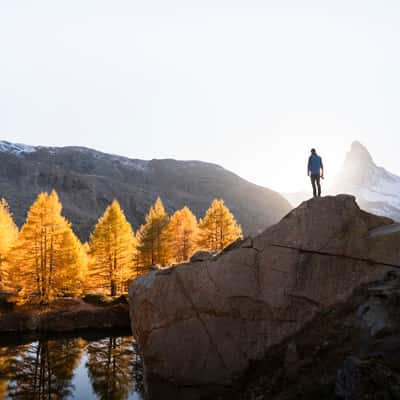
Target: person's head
x=313 y=151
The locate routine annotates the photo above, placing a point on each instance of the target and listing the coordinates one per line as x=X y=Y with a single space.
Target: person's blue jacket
x=315 y=164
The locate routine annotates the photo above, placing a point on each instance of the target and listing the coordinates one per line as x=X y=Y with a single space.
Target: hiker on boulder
x=315 y=171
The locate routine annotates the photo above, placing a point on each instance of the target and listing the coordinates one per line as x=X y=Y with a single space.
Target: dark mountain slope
x=87 y=181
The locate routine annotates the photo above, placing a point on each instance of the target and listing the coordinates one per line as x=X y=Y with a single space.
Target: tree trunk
x=113 y=288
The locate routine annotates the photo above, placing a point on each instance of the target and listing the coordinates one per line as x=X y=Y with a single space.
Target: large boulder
x=199 y=326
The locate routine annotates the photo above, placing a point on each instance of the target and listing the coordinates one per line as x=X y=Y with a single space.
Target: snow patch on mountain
x=133 y=163
x=15 y=148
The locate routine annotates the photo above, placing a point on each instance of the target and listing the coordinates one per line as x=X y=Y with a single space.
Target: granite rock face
x=201 y=325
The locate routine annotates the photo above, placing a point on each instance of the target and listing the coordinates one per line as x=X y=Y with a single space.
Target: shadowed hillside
x=88 y=180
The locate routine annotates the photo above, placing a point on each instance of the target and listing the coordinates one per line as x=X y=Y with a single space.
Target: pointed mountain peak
x=359 y=153
x=358 y=146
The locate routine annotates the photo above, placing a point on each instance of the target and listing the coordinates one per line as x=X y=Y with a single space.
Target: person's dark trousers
x=316 y=183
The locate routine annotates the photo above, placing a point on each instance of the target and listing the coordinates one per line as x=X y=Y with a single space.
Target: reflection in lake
x=70 y=368
x=111 y=368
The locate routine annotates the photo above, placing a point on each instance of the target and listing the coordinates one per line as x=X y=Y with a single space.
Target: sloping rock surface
x=200 y=326
x=339 y=355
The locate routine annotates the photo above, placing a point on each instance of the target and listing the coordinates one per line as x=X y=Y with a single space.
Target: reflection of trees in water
x=44 y=369
x=112 y=367
x=7 y=357
x=137 y=369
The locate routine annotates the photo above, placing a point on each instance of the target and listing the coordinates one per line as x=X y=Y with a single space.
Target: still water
x=70 y=368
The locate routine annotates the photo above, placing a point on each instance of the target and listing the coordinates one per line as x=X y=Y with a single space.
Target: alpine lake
x=96 y=365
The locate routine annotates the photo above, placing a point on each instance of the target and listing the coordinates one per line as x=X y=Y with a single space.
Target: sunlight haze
x=250 y=85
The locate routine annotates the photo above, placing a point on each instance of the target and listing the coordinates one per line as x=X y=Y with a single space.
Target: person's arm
x=322 y=169
x=309 y=166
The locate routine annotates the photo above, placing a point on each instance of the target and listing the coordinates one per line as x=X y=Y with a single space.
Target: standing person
x=315 y=171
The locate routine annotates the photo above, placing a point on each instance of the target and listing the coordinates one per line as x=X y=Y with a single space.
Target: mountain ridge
x=6 y=146
x=87 y=180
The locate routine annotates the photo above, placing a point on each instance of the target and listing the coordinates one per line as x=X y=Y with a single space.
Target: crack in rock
x=189 y=299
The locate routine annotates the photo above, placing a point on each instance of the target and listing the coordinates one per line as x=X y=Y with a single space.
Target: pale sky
x=250 y=85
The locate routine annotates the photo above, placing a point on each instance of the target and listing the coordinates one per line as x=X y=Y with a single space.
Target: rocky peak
x=358 y=169
x=376 y=189
x=359 y=154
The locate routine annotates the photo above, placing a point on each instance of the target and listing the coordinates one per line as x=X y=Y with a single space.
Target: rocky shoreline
x=63 y=315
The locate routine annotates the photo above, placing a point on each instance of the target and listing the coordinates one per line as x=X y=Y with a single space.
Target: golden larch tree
x=87 y=258
x=153 y=241
x=112 y=247
x=182 y=235
x=138 y=266
x=218 y=228
x=40 y=259
x=8 y=236
x=72 y=278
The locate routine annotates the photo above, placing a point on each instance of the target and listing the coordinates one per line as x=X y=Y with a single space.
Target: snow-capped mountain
x=376 y=189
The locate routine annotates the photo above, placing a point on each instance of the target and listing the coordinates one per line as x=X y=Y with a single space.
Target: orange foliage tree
x=112 y=248
x=153 y=241
x=182 y=235
x=8 y=236
x=47 y=258
x=218 y=228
